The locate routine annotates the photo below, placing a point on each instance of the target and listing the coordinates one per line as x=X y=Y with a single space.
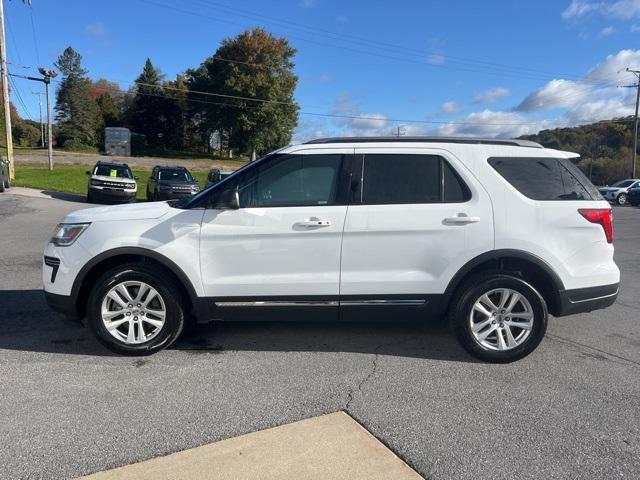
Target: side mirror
x=227 y=200
x=136 y=178
x=88 y=172
x=196 y=180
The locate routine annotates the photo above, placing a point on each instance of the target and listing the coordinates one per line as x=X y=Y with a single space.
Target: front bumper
x=113 y=194
x=174 y=195
x=581 y=300
x=63 y=304
x=610 y=196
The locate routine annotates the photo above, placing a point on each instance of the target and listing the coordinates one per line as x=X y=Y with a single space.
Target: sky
x=421 y=67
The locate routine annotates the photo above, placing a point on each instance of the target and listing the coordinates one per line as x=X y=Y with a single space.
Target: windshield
x=116 y=171
x=623 y=183
x=175 y=175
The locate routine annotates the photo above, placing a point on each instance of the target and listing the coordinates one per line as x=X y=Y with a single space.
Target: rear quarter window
x=545 y=178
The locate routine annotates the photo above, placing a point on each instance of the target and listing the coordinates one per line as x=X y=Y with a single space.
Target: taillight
x=603 y=216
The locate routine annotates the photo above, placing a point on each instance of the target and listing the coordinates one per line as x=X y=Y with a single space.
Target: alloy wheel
x=501 y=319
x=133 y=312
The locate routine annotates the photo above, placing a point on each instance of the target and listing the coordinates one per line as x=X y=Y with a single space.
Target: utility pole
x=399 y=130
x=635 y=127
x=47 y=78
x=47 y=75
x=39 y=94
x=5 y=94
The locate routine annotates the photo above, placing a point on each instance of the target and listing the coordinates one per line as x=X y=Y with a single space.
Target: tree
x=77 y=114
x=148 y=111
x=109 y=113
x=257 y=65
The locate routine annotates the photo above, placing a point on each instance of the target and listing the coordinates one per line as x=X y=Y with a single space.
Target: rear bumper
x=63 y=304
x=582 y=300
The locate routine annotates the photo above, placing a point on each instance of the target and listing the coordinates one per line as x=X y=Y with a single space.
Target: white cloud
x=489 y=123
x=96 y=29
x=555 y=94
x=435 y=59
x=309 y=129
x=355 y=122
x=341 y=18
x=326 y=78
x=492 y=95
x=620 y=9
x=634 y=28
x=593 y=97
x=308 y=3
x=606 y=31
x=450 y=107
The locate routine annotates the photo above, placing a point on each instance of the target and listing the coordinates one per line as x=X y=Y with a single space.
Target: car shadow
x=27 y=324
x=67 y=197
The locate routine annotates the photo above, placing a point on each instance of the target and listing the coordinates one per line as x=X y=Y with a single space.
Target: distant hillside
x=605 y=147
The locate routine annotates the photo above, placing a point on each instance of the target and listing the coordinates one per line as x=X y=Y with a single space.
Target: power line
x=33 y=31
x=360 y=40
x=492 y=71
x=20 y=99
x=13 y=40
x=319 y=114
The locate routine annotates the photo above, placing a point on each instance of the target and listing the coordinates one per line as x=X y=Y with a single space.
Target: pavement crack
x=374 y=368
x=583 y=346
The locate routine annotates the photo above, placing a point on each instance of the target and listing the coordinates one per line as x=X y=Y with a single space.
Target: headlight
x=195 y=188
x=67 y=233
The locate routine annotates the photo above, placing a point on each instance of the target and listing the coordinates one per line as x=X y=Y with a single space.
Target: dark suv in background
x=166 y=183
x=4 y=175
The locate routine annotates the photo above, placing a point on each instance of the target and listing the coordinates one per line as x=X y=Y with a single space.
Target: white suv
x=494 y=234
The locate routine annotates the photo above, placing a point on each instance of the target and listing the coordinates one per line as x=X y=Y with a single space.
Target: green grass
x=72 y=178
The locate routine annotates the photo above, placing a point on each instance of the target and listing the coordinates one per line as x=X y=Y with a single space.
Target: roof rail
x=466 y=140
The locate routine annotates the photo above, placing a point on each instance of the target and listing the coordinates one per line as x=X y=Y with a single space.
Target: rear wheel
x=2 y=184
x=622 y=199
x=136 y=309
x=498 y=317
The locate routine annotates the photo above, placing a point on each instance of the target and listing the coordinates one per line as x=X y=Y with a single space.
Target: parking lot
x=70 y=407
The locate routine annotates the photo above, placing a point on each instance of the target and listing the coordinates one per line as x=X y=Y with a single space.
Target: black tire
x=463 y=302
x=7 y=183
x=621 y=199
x=148 y=195
x=90 y=198
x=2 y=184
x=164 y=285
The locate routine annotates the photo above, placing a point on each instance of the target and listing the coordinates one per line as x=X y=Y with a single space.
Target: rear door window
x=545 y=178
x=410 y=179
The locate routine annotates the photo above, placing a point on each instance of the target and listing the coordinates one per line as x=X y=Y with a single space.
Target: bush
x=76 y=146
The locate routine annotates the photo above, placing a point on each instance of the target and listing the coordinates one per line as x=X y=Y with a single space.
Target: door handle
x=313 y=223
x=461 y=219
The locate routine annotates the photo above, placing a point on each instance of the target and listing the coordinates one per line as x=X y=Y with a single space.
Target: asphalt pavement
x=68 y=407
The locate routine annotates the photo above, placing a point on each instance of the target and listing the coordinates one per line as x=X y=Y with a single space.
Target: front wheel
x=136 y=309
x=622 y=199
x=498 y=317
